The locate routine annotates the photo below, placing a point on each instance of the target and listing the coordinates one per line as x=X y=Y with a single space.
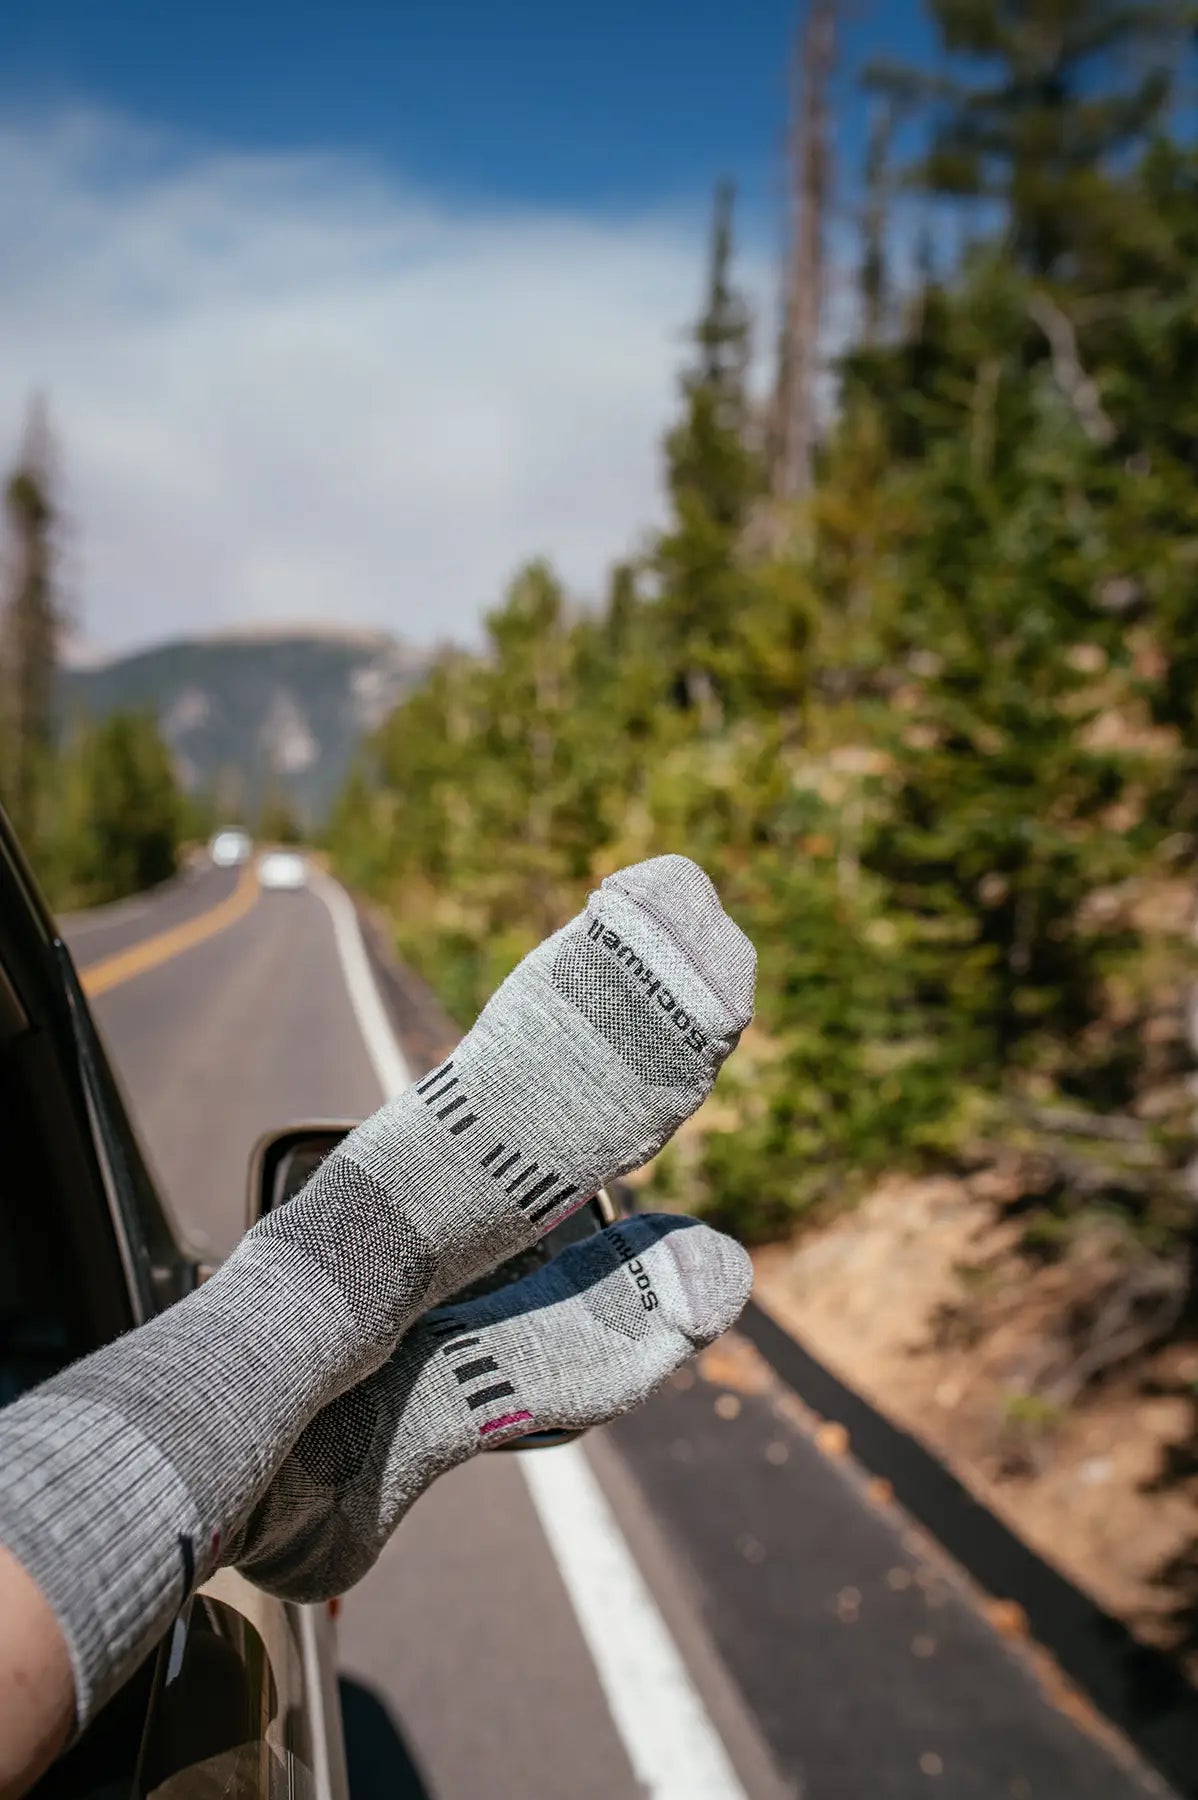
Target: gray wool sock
x=579 y=1068
x=576 y=1344
x=123 y=1479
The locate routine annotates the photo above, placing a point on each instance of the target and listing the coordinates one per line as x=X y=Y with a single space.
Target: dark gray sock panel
x=574 y=1345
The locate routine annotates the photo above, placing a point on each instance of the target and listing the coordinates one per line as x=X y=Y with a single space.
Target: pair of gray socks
x=131 y=1476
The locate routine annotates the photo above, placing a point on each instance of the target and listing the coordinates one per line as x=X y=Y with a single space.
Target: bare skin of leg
x=37 y=1689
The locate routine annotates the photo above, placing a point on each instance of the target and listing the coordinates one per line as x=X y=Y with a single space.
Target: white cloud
x=287 y=386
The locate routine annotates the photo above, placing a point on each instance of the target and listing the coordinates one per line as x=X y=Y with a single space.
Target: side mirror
x=283 y=1161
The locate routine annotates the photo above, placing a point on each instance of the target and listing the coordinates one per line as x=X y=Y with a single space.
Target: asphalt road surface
x=706 y=1602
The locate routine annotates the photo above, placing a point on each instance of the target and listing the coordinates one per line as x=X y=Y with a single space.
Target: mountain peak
x=275 y=708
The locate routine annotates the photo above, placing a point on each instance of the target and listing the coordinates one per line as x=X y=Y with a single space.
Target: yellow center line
x=110 y=971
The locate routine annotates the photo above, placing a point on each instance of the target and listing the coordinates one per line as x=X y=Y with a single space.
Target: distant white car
x=284 y=869
x=229 y=849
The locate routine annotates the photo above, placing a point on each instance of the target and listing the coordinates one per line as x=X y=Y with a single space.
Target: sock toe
x=702 y=1277
x=683 y=899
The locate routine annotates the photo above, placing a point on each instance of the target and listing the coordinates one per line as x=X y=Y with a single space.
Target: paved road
x=818 y=1648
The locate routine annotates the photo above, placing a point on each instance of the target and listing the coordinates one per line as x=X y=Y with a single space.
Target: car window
x=41 y=1327
x=35 y=1331
x=63 y=1286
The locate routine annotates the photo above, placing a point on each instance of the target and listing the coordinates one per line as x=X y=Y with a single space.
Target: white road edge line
x=673 y=1747
x=675 y=1751
x=390 y=1063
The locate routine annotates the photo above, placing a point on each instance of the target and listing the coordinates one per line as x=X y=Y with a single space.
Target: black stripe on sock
x=534 y=1193
x=460 y=1344
x=435 y=1076
x=521 y=1177
x=452 y=1107
x=481 y=1365
x=550 y=1204
x=445 y=1327
x=492 y=1154
x=462 y=1124
x=500 y=1391
x=440 y=1091
x=505 y=1166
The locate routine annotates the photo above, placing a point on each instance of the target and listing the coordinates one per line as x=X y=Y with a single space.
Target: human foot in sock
x=576 y=1344
x=126 y=1475
x=579 y=1068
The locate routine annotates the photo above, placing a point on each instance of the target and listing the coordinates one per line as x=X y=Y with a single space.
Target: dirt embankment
x=925 y=1299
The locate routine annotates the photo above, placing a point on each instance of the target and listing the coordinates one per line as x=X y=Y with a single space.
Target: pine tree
x=1038 y=135
x=919 y=749
x=714 y=477
x=120 y=812
x=31 y=622
x=873 y=278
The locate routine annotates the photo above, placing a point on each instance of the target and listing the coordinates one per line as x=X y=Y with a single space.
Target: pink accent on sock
x=507 y=1419
x=577 y=1207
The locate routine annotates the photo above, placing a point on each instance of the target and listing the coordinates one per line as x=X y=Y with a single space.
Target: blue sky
x=343 y=311
x=547 y=100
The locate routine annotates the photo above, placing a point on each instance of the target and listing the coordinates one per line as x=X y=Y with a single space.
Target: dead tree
x=808 y=189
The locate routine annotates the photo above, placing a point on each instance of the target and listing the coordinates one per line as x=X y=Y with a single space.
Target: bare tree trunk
x=803 y=295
